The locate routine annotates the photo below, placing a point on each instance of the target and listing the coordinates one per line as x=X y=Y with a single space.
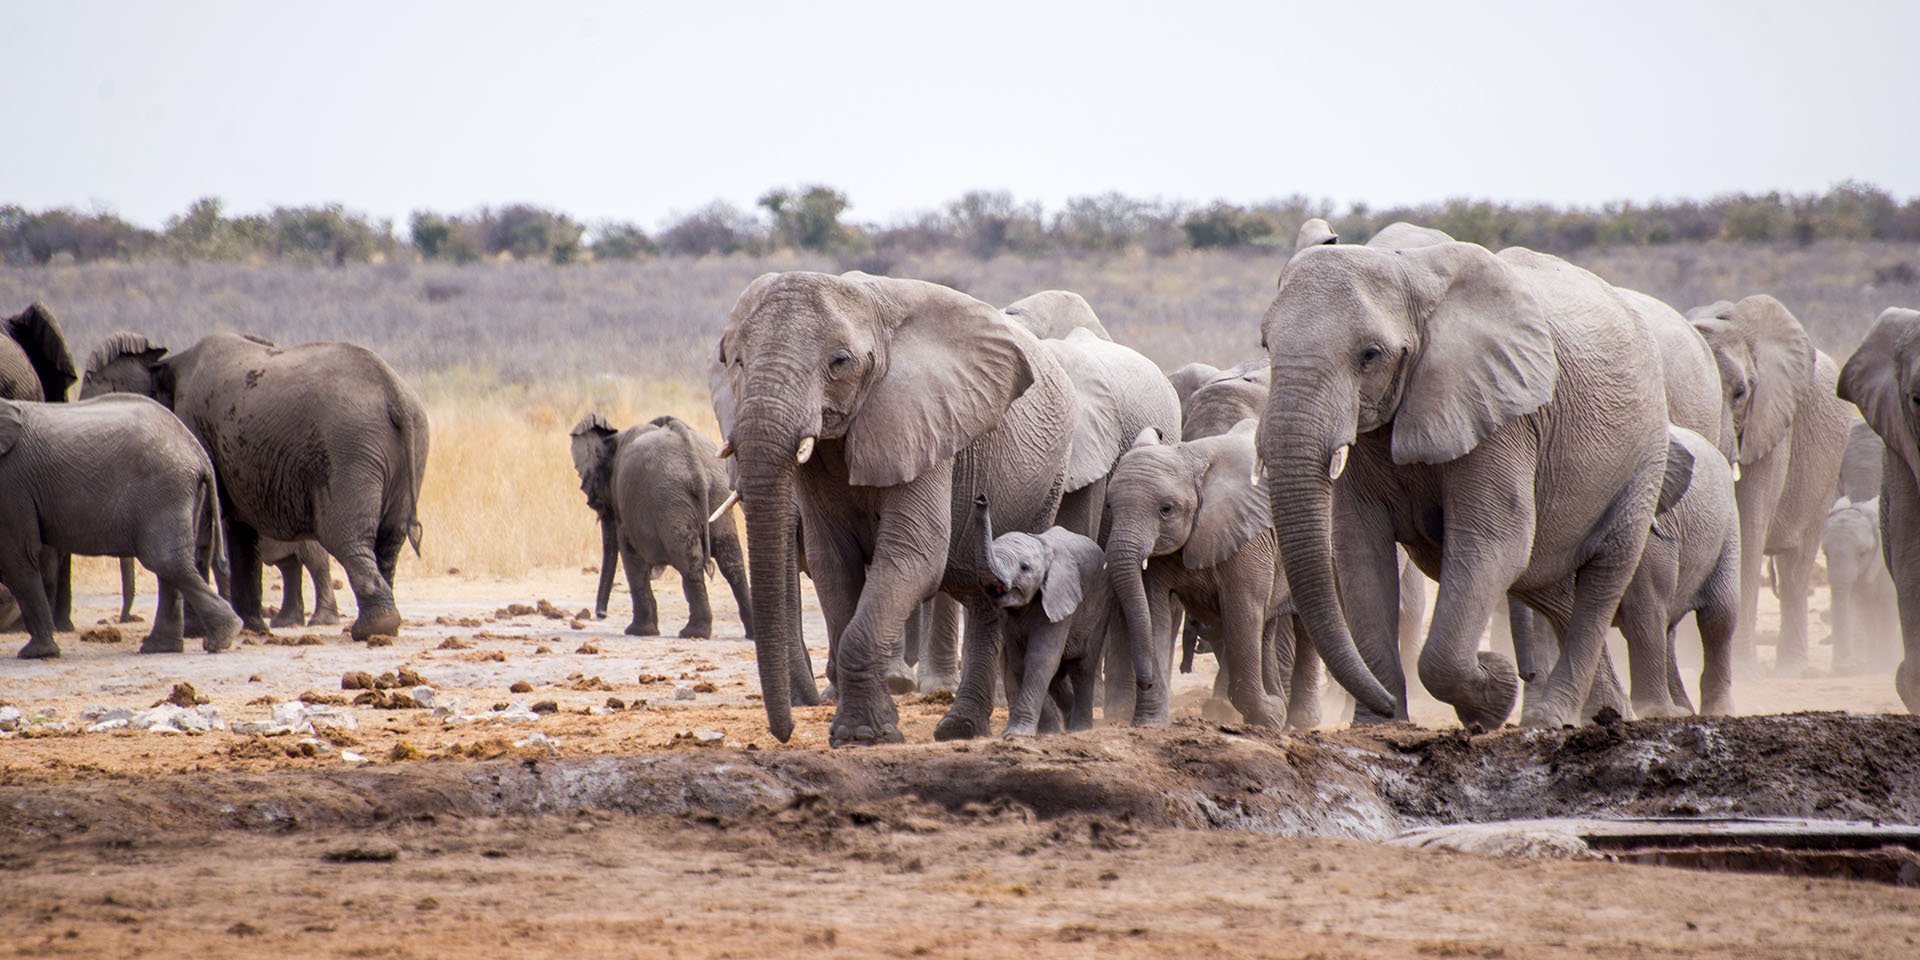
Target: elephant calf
x=1051 y=593
x=1865 y=613
x=117 y=476
x=655 y=488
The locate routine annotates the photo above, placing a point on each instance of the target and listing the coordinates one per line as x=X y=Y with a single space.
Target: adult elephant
x=654 y=488
x=1883 y=378
x=36 y=365
x=320 y=441
x=1423 y=391
x=1789 y=431
x=291 y=559
x=879 y=408
x=1055 y=315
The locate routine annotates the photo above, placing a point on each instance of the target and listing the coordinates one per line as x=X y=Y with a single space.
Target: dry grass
x=509 y=355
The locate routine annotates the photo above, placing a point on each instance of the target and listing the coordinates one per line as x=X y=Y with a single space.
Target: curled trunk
x=983 y=546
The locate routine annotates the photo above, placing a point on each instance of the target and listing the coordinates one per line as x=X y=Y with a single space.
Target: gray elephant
x=1865 y=610
x=879 y=408
x=658 y=490
x=36 y=365
x=1883 y=378
x=1189 y=378
x=1051 y=594
x=1861 y=464
x=320 y=441
x=290 y=558
x=1055 y=314
x=1789 y=431
x=117 y=476
x=1189 y=521
x=1232 y=395
x=1420 y=387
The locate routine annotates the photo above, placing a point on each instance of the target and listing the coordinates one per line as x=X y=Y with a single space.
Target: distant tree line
x=982 y=224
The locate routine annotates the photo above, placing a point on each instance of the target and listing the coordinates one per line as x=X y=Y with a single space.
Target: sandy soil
x=431 y=873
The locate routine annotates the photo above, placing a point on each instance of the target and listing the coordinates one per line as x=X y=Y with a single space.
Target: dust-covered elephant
x=657 y=489
x=321 y=441
x=1789 y=431
x=1883 y=378
x=1420 y=388
x=879 y=408
x=116 y=476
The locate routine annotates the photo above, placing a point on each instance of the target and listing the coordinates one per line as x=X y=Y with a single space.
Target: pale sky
x=637 y=111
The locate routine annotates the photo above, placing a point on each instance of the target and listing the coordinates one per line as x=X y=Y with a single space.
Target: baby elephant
x=657 y=489
x=1866 y=617
x=1052 y=595
x=117 y=476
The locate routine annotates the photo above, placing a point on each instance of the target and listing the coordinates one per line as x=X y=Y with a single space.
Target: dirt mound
x=1363 y=784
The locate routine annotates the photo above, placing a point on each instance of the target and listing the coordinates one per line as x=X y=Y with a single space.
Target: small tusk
x=726 y=450
x=1337 y=465
x=733 y=497
x=804 y=452
x=1736 y=472
x=1258 y=469
x=1143 y=562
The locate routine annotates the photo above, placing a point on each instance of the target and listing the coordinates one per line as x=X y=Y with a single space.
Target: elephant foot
x=287 y=618
x=638 y=629
x=1219 y=710
x=249 y=624
x=1304 y=716
x=959 y=726
x=132 y=618
x=376 y=621
x=324 y=618
x=221 y=637
x=874 y=721
x=158 y=644
x=1654 y=710
x=63 y=624
x=1790 y=668
x=1022 y=732
x=1906 y=679
x=900 y=679
x=927 y=679
x=39 y=650
x=696 y=631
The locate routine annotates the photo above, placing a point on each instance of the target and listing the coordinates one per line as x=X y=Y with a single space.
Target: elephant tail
x=413 y=444
x=210 y=516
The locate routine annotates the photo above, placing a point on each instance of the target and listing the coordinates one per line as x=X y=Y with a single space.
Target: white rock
x=538 y=739
x=709 y=736
x=424 y=696
x=351 y=757
x=46 y=713
x=683 y=692
x=318 y=745
x=94 y=712
x=11 y=718
x=55 y=725
x=117 y=723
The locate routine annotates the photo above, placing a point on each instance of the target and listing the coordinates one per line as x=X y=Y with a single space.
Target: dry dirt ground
x=638 y=831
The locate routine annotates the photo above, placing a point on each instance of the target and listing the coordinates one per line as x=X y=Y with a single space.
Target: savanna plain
x=628 y=801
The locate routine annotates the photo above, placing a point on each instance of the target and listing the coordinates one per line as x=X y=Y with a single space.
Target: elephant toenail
x=863 y=732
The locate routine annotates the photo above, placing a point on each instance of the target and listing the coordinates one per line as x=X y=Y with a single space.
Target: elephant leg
x=169 y=624
x=973 y=701
x=726 y=555
x=63 y=591
x=1085 y=675
x=293 y=602
x=1756 y=494
x=1845 y=636
x=1367 y=571
x=900 y=675
x=914 y=635
x=1276 y=667
x=693 y=584
x=1242 y=630
x=1303 y=682
x=243 y=555
x=646 y=614
x=1080 y=510
x=909 y=557
x=181 y=582
x=20 y=572
x=1219 y=705
x=1643 y=621
x=939 y=664
x=1597 y=588
x=801 y=686
x=1677 y=687
x=1116 y=702
x=1795 y=570
x=387 y=544
x=1030 y=675
x=127 y=589
x=326 y=606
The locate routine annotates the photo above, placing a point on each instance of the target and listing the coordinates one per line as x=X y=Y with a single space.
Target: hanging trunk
x=1126 y=555
x=767 y=499
x=609 y=563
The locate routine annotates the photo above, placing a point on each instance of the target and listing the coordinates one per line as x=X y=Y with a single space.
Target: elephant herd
x=1547 y=447
x=218 y=458
x=1567 y=455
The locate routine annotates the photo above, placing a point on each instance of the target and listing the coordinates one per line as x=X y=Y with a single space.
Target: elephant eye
x=1371 y=355
x=1024 y=568
x=837 y=366
x=1166 y=508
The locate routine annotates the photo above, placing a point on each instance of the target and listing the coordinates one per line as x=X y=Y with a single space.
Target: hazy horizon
x=607 y=111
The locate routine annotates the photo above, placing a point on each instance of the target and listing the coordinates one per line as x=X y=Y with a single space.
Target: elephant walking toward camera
x=1421 y=387
x=879 y=408
x=1883 y=378
x=320 y=441
x=1051 y=594
x=117 y=476
x=656 y=489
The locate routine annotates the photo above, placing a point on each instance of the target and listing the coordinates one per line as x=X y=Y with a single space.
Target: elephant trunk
x=983 y=545
x=1302 y=449
x=1127 y=550
x=767 y=500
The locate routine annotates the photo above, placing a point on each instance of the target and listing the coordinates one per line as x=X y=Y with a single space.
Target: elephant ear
x=1189 y=378
x=1871 y=380
x=126 y=345
x=593 y=440
x=725 y=375
x=952 y=366
x=1315 y=232
x=1070 y=559
x=1100 y=374
x=1054 y=314
x=39 y=336
x=1233 y=505
x=1783 y=366
x=10 y=425
x=1487 y=356
x=1401 y=235
x=1679 y=471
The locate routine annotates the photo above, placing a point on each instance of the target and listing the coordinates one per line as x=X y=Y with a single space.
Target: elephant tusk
x=1338 y=464
x=804 y=452
x=733 y=497
x=726 y=450
x=1143 y=562
x=1736 y=472
x=1258 y=469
